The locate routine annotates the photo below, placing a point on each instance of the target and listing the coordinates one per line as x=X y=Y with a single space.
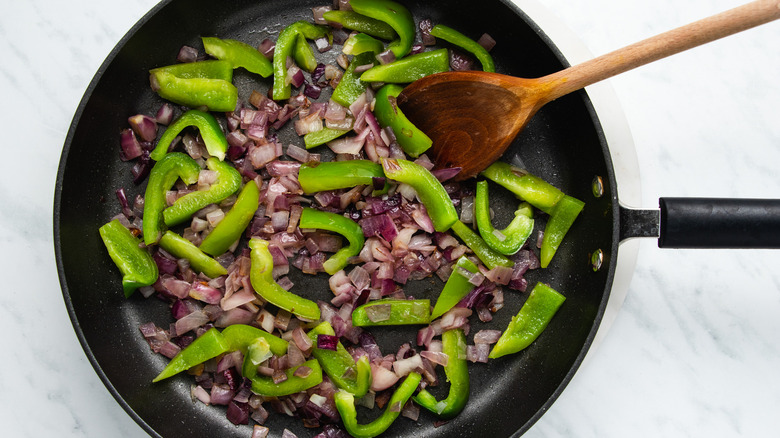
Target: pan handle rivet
x=597 y=260
x=598 y=186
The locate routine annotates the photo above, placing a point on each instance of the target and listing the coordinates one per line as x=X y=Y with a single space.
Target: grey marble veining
x=692 y=352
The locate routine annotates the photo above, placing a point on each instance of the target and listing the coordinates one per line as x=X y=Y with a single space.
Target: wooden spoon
x=473 y=116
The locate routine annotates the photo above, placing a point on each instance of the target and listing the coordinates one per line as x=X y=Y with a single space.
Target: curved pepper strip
x=530 y=321
x=457 y=372
x=208 y=346
x=228 y=182
x=333 y=175
x=265 y=386
x=239 y=54
x=304 y=55
x=350 y=86
x=339 y=365
x=486 y=254
x=410 y=68
x=428 y=188
x=324 y=135
x=360 y=23
x=412 y=140
x=394 y=14
x=457 y=287
x=345 y=404
x=229 y=229
x=323 y=220
x=211 y=69
x=213 y=343
x=515 y=234
x=210 y=131
x=453 y=36
x=561 y=219
x=398 y=312
x=261 y=277
x=162 y=177
x=525 y=186
x=285 y=45
x=358 y=43
x=134 y=262
x=184 y=249
x=215 y=94
x=239 y=336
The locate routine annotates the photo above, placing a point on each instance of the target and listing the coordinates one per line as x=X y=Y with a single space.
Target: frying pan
x=564 y=144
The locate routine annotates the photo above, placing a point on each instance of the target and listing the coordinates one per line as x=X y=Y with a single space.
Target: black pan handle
x=706 y=223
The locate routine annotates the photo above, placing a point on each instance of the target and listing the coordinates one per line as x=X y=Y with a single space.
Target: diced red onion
x=192 y=321
x=386 y=57
x=405 y=366
x=164 y=115
x=318 y=11
x=259 y=431
x=267 y=47
x=130 y=146
x=446 y=174
x=487 y=42
x=478 y=353
x=382 y=378
x=187 y=54
x=197 y=392
x=459 y=61
x=425 y=31
x=238 y=413
x=144 y=126
x=322 y=44
x=327 y=342
x=486 y=336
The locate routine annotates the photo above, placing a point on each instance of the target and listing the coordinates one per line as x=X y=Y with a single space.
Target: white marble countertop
x=694 y=349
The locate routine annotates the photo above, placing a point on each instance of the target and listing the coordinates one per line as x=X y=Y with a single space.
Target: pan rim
x=523 y=12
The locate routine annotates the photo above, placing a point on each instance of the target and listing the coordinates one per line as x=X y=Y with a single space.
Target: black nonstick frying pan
x=564 y=144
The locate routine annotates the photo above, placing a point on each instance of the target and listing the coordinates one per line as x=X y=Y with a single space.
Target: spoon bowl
x=473 y=116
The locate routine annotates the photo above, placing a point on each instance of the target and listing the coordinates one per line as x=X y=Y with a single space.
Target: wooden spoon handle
x=660 y=46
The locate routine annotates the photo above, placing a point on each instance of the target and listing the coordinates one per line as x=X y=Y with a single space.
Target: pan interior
x=563 y=144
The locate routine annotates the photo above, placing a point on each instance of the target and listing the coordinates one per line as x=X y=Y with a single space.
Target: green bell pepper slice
x=285 y=47
x=457 y=287
x=453 y=36
x=354 y=21
x=457 y=372
x=211 y=69
x=561 y=219
x=350 y=86
x=339 y=365
x=208 y=346
x=229 y=229
x=162 y=177
x=395 y=15
x=514 y=235
x=323 y=220
x=324 y=135
x=134 y=262
x=388 y=311
x=410 y=68
x=240 y=336
x=304 y=55
x=239 y=54
x=333 y=175
x=537 y=311
x=213 y=343
x=485 y=253
x=345 y=404
x=199 y=261
x=228 y=182
x=213 y=137
x=525 y=186
x=265 y=386
x=261 y=277
x=412 y=140
x=360 y=43
x=214 y=94
x=430 y=191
